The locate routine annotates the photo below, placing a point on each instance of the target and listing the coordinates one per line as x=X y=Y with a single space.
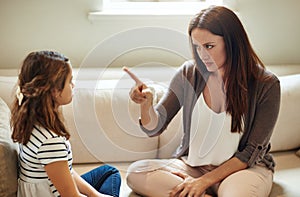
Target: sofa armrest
x=8 y=155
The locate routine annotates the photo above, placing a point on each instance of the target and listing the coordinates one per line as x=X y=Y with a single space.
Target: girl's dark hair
x=242 y=63
x=40 y=74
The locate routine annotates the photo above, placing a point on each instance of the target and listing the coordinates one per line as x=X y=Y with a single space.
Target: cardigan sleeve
x=255 y=143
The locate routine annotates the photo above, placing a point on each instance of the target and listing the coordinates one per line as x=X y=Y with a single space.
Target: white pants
x=154 y=178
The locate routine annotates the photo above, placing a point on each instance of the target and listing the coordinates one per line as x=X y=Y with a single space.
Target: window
x=155 y=7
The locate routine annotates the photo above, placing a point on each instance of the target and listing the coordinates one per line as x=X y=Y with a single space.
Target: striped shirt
x=44 y=147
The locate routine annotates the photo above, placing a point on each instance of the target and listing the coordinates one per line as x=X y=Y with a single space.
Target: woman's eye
x=209 y=46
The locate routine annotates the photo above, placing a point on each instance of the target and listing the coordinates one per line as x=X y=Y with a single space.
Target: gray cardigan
x=264 y=101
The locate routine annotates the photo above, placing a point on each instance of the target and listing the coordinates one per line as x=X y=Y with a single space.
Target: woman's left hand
x=190 y=187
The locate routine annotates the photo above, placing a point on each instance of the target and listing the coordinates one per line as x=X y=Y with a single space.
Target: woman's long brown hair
x=40 y=74
x=242 y=63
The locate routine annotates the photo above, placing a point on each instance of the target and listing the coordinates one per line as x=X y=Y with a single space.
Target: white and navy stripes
x=44 y=147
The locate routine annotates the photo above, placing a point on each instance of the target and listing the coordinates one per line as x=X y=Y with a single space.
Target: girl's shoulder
x=43 y=135
x=42 y=139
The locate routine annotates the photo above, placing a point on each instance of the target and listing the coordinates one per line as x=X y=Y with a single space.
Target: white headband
x=19 y=95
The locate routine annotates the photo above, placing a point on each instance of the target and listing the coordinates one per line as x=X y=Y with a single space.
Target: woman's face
x=210 y=48
x=64 y=96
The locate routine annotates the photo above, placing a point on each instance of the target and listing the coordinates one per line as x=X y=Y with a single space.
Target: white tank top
x=211 y=141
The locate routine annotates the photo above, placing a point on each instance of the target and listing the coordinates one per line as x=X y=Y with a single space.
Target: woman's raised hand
x=139 y=93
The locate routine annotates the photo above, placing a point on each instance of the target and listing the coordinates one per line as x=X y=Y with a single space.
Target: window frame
x=165 y=7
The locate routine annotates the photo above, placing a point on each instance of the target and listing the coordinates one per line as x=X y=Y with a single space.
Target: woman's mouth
x=209 y=64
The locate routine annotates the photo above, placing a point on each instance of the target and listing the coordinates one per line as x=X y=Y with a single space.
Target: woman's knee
x=146 y=165
x=141 y=171
x=137 y=182
x=145 y=182
x=236 y=189
x=246 y=183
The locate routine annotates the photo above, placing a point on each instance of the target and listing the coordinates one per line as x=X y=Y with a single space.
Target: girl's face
x=64 y=96
x=210 y=48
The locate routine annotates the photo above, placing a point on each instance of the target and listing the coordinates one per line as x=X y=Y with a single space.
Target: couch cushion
x=286 y=132
x=104 y=123
x=8 y=155
x=7 y=85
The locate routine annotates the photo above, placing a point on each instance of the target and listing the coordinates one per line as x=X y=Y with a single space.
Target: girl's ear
x=55 y=93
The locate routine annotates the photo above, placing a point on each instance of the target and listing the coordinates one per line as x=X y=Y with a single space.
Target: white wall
x=272 y=25
x=274 y=29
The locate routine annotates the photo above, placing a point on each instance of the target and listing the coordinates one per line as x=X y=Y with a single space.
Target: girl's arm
x=60 y=176
x=68 y=185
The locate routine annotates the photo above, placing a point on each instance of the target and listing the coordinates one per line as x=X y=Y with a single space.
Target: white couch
x=103 y=122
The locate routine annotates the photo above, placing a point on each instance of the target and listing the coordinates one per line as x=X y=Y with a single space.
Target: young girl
x=45 y=157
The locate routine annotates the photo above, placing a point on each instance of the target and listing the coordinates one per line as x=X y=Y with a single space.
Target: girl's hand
x=190 y=187
x=140 y=93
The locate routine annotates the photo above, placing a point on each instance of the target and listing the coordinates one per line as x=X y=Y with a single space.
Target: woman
x=45 y=156
x=234 y=103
